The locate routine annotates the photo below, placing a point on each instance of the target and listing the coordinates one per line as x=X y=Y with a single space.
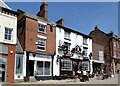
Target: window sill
x=68 y=39
x=42 y=32
x=85 y=44
x=41 y=50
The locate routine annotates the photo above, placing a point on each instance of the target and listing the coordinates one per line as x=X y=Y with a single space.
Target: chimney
x=43 y=10
x=96 y=27
x=61 y=22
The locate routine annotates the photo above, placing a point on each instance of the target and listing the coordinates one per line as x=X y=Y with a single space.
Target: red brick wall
x=31 y=35
x=51 y=40
x=101 y=38
x=10 y=62
x=96 y=48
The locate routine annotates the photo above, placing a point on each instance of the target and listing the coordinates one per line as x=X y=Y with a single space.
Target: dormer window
x=41 y=28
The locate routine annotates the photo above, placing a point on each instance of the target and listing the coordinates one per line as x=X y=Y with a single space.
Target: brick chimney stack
x=43 y=10
x=96 y=27
x=61 y=22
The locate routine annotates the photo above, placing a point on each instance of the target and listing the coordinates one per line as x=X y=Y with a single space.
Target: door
x=31 y=67
x=3 y=63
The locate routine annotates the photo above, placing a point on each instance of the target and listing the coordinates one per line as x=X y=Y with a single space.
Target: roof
x=2 y=4
x=69 y=29
x=35 y=17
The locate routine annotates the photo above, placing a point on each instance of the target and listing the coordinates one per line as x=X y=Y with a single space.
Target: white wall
x=75 y=40
x=11 y=22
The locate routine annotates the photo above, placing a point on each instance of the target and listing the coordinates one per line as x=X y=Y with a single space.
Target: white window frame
x=85 y=40
x=66 y=35
x=39 y=27
x=101 y=56
x=44 y=68
x=8 y=34
x=40 y=45
x=85 y=50
x=64 y=68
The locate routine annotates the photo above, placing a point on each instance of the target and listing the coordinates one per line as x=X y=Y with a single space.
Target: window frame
x=8 y=34
x=67 y=34
x=66 y=68
x=43 y=68
x=39 y=27
x=40 y=45
x=85 y=41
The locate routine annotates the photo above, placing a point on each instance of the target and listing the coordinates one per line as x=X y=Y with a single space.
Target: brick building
x=38 y=40
x=110 y=43
x=8 y=36
x=98 y=57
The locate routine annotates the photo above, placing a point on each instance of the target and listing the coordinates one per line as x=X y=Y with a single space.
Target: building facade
x=70 y=46
x=37 y=39
x=98 y=57
x=110 y=42
x=8 y=40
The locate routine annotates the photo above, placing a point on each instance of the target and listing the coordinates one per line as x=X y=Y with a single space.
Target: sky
x=79 y=16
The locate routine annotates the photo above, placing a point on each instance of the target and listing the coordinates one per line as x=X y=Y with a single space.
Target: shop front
x=40 y=66
x=3 y=69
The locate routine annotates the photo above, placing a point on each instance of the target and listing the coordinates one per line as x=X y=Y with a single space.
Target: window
x=85 y=66
x=114 y=44
x=101 y=56
x=66 y=48
x=60 y=30
x=41 y=28
x=43 y=68
x=85 y=49
x=67 y=35
x=66 y=64
x=8 y=33
x=41 y=44
x=84 y=40
x=19 y=64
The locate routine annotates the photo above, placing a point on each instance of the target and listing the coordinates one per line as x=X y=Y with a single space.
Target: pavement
x=95 y=80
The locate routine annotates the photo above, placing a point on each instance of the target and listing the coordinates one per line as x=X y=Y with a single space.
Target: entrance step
x=32 y=79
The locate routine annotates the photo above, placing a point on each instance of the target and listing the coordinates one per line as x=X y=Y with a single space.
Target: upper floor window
x=41 y=44
x=85 y=50
x=8 y=33
x=84 y=40
x=67 y=35
x=114 y=44
x=41 y=28
x=66 y=48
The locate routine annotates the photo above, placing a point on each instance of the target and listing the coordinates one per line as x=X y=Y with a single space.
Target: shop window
x=66 y=64
x=19 y=64
x=39 y=68
x=43 y=68
x=85 y=66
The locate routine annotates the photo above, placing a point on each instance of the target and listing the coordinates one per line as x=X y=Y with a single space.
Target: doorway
x=3 y=65
x=31 y=67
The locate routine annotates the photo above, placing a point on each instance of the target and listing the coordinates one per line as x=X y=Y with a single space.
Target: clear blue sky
x=80 y=16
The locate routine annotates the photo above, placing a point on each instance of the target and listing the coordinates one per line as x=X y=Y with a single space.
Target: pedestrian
x=75 y=70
